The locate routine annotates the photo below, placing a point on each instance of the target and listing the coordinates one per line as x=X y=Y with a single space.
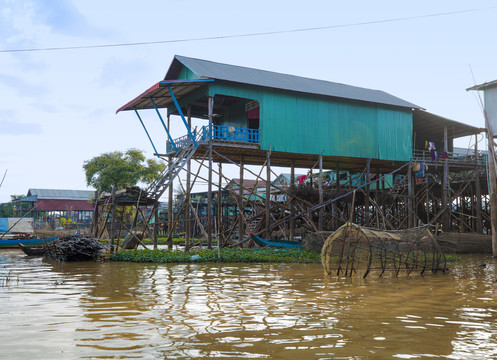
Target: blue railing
x=230 y=133
x=179 y=142
x=218 y=133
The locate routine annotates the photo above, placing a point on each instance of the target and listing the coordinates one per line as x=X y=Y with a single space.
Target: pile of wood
x=130 y=195
x=74 y=248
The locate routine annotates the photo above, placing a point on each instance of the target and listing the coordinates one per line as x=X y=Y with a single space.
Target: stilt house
x=266 y=118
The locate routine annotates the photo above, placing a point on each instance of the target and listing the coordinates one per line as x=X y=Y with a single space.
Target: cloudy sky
x=57 y=107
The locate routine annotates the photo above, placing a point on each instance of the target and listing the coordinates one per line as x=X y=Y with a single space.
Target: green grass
x=266 y=255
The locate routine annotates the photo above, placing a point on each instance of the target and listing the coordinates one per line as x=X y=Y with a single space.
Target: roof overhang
x=483 y=86
x=433 y=124
x=161 y=94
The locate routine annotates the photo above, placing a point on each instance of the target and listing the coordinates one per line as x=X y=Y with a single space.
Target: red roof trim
x=163 y=83
x=139 y=97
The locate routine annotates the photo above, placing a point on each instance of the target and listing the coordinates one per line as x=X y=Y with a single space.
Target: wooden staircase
x=159 y=186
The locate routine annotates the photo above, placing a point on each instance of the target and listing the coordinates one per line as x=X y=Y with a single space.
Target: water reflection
x=116 y=310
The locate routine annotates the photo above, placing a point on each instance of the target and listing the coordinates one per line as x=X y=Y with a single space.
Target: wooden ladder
x=250 y=228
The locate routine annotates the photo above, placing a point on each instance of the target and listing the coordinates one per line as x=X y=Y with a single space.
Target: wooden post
x=187 y=194
x=156 y=224
x=170 y=212
x=94 y=223
x=292 y=205
x=113 y=218
x=376 y=197
x=493 y=195
x=220 y=206
x=320 y=190
x=209 y=189
x=445 y=186
x=241 y=208
x=268 y=193
x=338 y=175
x=479 y=229
x=409 y=197
x=368 y=192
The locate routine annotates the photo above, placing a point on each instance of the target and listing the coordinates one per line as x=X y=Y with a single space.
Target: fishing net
x=354 y=249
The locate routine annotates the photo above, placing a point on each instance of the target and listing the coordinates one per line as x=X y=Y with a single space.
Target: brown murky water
x=118 y=310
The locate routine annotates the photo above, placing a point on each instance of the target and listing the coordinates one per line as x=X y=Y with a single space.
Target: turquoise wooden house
x=261 y=117
x=253 y=111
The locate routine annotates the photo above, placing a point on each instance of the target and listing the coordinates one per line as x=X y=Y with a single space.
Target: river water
x=238 y=311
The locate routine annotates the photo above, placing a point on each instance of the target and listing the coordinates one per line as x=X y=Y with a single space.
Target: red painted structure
x=56 y=207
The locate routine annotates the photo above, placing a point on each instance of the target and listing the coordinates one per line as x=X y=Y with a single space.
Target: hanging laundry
x=421 y=172
x=302 y=179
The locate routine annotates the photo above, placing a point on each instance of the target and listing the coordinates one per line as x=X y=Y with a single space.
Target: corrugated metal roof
x=161 y=95
x=434 y=124
x=484 y=86
x=61 y=194
x=244 y=75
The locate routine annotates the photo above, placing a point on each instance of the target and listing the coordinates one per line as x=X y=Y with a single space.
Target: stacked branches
x=74 y=248
x=354 y=249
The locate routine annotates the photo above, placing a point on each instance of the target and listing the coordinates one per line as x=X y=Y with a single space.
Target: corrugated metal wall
x=309 y=124
x=186 y=74
x=490 y=96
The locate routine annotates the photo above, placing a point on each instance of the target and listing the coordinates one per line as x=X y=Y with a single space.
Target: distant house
x=49 y=206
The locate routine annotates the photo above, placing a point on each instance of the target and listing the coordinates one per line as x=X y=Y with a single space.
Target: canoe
x=32 y=250
x=284 y=244
x=14 y=243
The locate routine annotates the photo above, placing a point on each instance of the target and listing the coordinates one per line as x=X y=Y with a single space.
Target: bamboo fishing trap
x=354 y=249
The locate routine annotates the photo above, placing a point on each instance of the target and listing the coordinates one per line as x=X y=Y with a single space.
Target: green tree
x=7 y=209
x=120 y=169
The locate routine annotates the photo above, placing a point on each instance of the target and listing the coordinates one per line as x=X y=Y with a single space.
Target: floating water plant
x=226 y=255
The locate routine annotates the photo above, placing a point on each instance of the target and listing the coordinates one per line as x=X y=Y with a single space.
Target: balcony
x=452 y=158
x=218 y=133
x=230 y=134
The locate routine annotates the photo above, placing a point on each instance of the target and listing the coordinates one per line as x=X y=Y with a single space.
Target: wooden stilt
x=268 y=192
x=445 y=185
x=478 y=204
x=187 y=194
x=220 y=237
x=241 y=208
x=376 y=197
x=170 y=210
x=320 y=190
x=292 y=205
x=368 y=192
x=113 y=218
x=209 y=185
x=156 y=226
x=409 y=197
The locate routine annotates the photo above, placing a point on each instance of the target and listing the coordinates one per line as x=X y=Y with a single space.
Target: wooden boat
x=284 y=244
x=32 y=250
x=14 y=243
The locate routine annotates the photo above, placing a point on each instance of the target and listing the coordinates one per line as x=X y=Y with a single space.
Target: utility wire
x=246 y=35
